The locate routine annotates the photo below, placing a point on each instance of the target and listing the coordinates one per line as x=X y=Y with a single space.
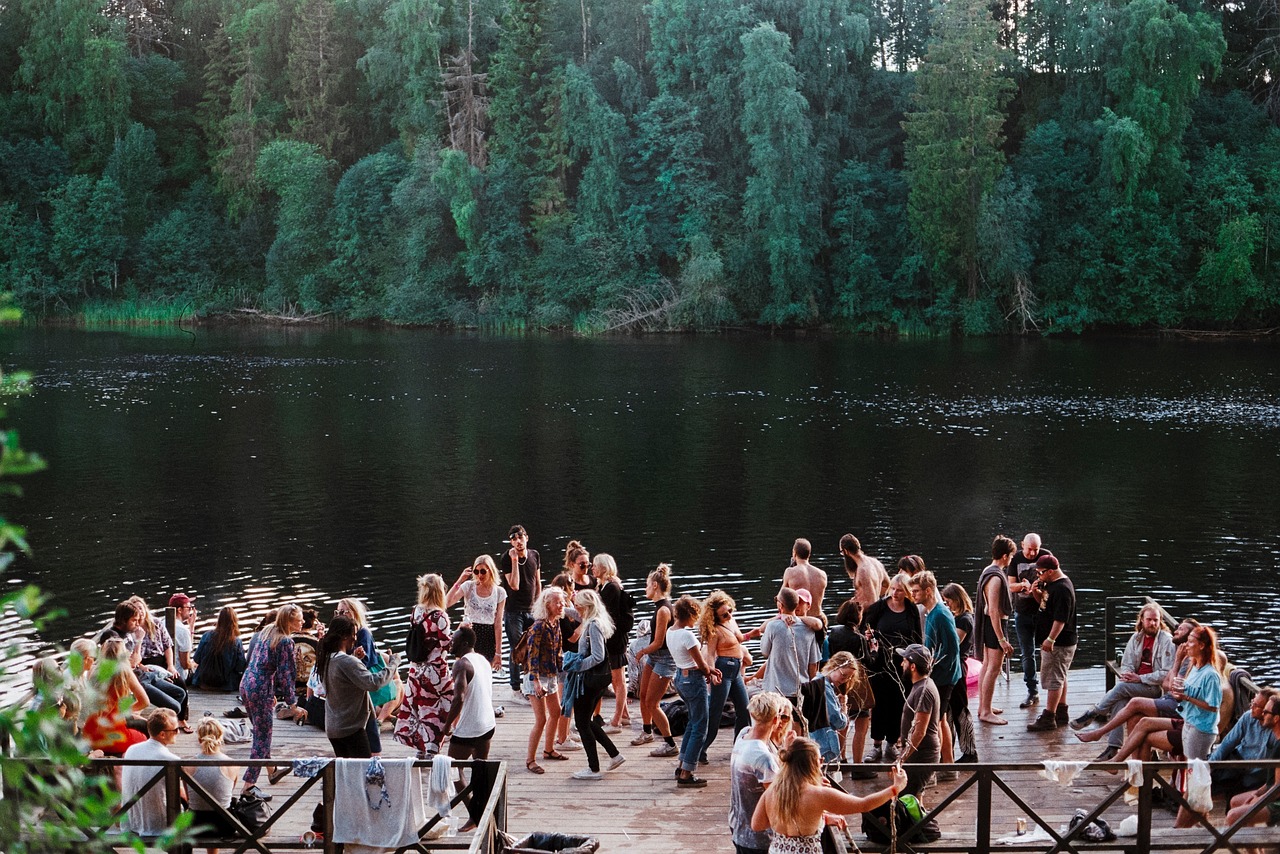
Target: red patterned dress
x=429 y=688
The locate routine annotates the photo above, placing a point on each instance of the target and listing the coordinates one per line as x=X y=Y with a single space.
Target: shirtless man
x=991 y=624
x=870 y=581
x=802 y=575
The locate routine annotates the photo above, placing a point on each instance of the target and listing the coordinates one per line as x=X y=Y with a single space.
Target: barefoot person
x=802 y=575
x=992 y=610
x=870 y=581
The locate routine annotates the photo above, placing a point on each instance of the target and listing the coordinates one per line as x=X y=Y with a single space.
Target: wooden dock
x=639 y=809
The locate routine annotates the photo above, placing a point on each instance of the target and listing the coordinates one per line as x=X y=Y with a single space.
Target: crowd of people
x=891 y=663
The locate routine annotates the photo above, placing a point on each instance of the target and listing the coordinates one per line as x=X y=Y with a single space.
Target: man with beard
x=1026 y=605
x=1056 y=631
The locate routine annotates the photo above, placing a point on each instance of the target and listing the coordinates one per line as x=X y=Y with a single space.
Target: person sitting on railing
x=1253 y=737
x=1148 y=656
x=149 y=816
x=1242 y=803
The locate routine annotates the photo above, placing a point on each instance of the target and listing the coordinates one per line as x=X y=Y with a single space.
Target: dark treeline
x=598 y=164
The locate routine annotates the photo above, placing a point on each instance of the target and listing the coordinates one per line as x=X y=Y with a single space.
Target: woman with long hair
x=153 y=653
x=719 y=632
x=621 y=608
x=219 y=657
x=846 y=636
x=593 y=665
x=895 y=623
x=429 y=687
x=694 y=676
x=214 y=784
x=270 y=678
x=347 y=682
x=107 y=726
x=957 y=599
x=659 y=669
x=540 y=677
x=354 y=610
x=577 y=564
x=483 y=600
x=794 y=805
x=570 y=621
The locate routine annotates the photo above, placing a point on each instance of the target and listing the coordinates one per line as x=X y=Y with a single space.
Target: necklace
x=522 y=559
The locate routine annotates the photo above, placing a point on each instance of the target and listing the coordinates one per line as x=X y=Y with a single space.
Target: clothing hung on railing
x=362 y=828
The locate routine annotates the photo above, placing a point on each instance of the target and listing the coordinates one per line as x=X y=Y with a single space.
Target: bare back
x=806 y=576
x=870 y=581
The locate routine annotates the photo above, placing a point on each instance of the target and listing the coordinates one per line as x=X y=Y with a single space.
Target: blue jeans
x=1024 y=624
x=731 y=687
x=693 y=690
x=514 y=625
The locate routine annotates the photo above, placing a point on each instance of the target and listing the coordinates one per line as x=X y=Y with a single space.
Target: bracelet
x=1051 y=641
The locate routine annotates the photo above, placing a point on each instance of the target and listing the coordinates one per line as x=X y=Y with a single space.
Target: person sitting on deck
x=1252 y=737
x=1241 y=804
x=1148 y=656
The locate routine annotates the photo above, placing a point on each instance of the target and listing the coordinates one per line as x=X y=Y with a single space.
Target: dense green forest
x=903 y=165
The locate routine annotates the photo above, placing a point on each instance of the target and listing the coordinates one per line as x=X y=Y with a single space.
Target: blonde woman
x=659 y=668
x=483 y=601
x=621 y=608
x=540 y=678
x=722 y=640
x=107 y=727
x=269 y=678
x=593 y=665
x=213 y=784
x=796 y=805
x=429 y=687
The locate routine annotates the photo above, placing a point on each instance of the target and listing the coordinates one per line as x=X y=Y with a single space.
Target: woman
x=621 y=608
x=694 y=676
x=483 y=601
x=895 y=623
x=219 y=657
x=218 y=781
x=797 y=804
x=1199 y=698
x=540 y=677
x=824 y=701
x=957 y=599
x=354 y=610
x=592 y=663
x=847 y=636
x=347 y=683
x=420 y=721
x=570 y=622
x=910 y=564
x=577 y=565
x=270 y=678
x=722 y=638
x=153 y=653
x=659 y=669
x=107 y=727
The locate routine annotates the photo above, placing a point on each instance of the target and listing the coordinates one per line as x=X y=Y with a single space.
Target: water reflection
x=253 y=467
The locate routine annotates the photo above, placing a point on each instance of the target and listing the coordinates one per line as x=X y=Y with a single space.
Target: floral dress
x=269 y=677
x=429 y=688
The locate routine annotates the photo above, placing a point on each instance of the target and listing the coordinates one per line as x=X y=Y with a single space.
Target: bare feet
x=996 y=711
x=992 y=719
x=1089 y=736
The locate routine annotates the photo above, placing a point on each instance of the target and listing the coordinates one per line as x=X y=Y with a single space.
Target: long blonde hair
x=145 y=619
x=279 y=630
x=359 y=615
x=607 y=563
x=431 y=592
x=801 y=767
x=591 y=609
x=113 y=659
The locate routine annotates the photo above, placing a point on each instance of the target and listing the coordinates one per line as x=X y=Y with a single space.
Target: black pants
x=590 y=725
x=353 y=746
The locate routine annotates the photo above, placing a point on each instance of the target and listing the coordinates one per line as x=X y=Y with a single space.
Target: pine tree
x=315 y=77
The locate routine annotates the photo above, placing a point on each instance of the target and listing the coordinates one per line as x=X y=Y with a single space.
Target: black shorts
x=617 y=662
x=944 y=695
x=474 y=740
x=989 y=639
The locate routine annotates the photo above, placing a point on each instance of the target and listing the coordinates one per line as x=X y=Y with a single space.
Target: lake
x=254 y=466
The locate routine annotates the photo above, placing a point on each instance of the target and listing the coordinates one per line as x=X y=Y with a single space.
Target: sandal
x=185 y=727
x=534 y=767
x=553 y=754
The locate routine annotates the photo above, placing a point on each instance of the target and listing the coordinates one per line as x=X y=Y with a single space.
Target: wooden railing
x=171 y=775
x=986 y=779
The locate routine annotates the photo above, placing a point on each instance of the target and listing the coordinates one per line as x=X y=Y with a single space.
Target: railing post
x=330 y=790
x=1108 y=624
x=1144 y=812
x=983 y=824
x=172 y=798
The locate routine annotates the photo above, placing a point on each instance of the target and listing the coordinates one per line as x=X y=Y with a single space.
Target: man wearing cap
x=921 y=738
x=183 y=626
x=520 y=567
x=802 y=575
x=1022 y=578
x=1056 y=631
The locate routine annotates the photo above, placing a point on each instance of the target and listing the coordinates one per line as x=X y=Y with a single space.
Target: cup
x=308 y=838
x=1022 y=826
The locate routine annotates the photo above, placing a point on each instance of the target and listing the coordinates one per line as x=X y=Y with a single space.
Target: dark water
x=254 y=467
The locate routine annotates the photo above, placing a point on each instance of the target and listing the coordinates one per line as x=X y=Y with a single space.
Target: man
x=943 y=642
x=471 y=722
x=183 y=627
x=992 y=609
x=1056 y=631
x=921 y=738
x=1252 y=737
x=521 y=574
x=870 y=581
x=149 y=816
x=1022 y=578
x=1147 y=658
x=790 y=647
x=1241 y=804
x=802 y=575
x=160 y=691
x=753 y=765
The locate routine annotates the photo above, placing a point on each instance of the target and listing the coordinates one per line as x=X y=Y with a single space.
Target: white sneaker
x=571 y=744
x=616 y=762
x=518 y=697
x=587 y=774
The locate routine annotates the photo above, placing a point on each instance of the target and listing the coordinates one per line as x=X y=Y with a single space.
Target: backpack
x=415 y=647
x=908 y=810
x=520 y=652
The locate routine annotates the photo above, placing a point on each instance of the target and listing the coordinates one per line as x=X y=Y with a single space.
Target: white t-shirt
x=181 y=644
x=147 y=816
x=753 y=763
x=481 y=609
x=680 y=642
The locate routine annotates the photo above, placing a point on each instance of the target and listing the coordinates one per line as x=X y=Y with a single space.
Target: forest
x=907 y=166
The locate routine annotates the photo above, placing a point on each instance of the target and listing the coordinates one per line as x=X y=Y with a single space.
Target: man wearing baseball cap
x=1056 y=632
x=921 y=739
x=183 y=629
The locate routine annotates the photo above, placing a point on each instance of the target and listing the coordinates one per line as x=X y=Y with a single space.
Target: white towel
x=1133 y=771
x=387 y=829
x=440 y=786
x=1062 y=772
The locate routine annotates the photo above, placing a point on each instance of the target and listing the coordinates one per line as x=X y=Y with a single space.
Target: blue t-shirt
x=941 y=638
x=1204 y=684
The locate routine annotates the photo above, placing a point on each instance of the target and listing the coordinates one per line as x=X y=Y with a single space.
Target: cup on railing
x=309 y=838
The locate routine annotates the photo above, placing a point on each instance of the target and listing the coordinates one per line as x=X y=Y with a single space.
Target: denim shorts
x=661 y=665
